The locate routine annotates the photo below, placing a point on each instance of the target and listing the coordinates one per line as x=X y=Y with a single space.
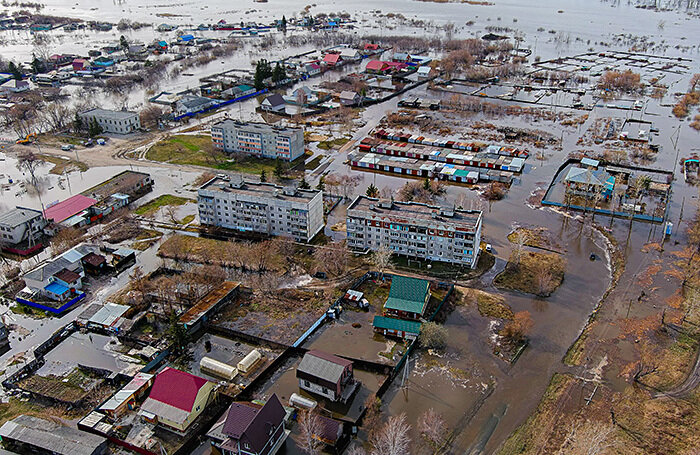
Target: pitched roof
x=66 y=209
x=376 y=65
x=348 y=95
x=323 y=365
x=67 y=276
x=94 y=259
x=331 y=58
x=245 y=421
x=407 y=294
x=18 y=215
x=176 y=388
x=402 y=325
x=51 y=436
x=274 y=100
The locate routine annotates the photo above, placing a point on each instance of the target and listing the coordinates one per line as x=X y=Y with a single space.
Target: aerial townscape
x=421 y=227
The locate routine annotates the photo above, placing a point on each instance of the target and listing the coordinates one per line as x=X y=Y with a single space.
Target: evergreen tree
x=426 y=184
x=278 y=74
x=94 y=128
x=280 y=170
x=304 y=184
x=37 y=65
x=321 y=183
x=15 y=70
x=263 y=176
x=77 y=123
x=284 y=23
x=123 y=43
x=372 y=191
x=262 y=72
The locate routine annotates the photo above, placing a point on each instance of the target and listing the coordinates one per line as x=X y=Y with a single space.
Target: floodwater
x=578 y=25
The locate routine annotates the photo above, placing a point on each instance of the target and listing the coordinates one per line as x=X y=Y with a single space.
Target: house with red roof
x=177 y=399
x=72 y=206
x=333 y=60
x=377 y=67
x=251 y=429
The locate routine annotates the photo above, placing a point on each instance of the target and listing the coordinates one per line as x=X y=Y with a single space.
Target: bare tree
x=519 y=240
x=393 y=438
x=432 y=427
x=356 y=450
x=333 y=258
x=381 y=259
x=309 y=429
x=544 y=279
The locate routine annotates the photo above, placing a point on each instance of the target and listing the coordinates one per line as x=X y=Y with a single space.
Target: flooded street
x=482 y=398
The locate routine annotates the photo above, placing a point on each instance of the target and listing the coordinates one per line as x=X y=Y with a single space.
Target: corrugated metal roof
x=396 y=324
x=108 y=314
x=407 y=294
x=51 y=436
x=324 y=366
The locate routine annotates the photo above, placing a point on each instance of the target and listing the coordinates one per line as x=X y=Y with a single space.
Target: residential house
x=14 y=86
x=378 y=67
x=58 y=279
x=312 y=68
x=333 y=60
x=399 y=328
x=177 y=399
x=80 y=64
x=371 y=47
x=273 y=103
x=349 y=98
x=327 y=375
x=28 y=434
x=401 y=57
x=424 y=73
x=21 y=230
x=238 y=91
x=350 y=54
x=250 y=429
x=588 y=182
x=330 y=432
x=191 y=104
x=103 y=62
x=74 y=207
x=126 y=398
x=408 y=298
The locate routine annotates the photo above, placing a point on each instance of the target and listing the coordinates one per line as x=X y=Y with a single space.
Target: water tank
x=216 y=368
x=299 y=402
x=248 y=363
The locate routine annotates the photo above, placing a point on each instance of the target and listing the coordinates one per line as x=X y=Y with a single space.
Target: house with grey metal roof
x=21 y=226
x=327 y=375
x=28 y=434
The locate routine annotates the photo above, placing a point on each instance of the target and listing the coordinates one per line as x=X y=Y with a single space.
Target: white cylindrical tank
x=216 y=368
x=248 y=363
x=299 y=402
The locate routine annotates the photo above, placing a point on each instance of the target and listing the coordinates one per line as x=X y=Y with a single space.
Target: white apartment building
x=258 y=139
x=263 y=208
x=415 y=230
x=117 y=122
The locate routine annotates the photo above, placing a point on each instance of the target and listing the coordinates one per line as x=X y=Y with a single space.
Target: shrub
x=433 y=336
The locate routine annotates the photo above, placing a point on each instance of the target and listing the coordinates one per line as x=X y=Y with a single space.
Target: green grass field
x=152 y=207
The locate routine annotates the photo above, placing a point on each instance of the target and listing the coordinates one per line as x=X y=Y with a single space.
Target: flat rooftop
x=255 y=126
x=258 y=189
x=208 y=301
x=120 y=183
x=106 y=113
x=416 y=212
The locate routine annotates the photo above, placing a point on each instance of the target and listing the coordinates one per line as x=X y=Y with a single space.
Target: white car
x=488 y=248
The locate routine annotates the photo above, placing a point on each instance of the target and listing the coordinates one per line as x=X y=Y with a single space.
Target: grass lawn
x=198 y=150
x=152 y=207
x=528 y=276
x=444 y=269
x=337 y=142
x=63 y=164
x=26 y=310
x=489 y=305
x=313 y=164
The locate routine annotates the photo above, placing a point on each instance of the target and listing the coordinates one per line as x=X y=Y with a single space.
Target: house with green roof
x=408 y=298
x=396 y=327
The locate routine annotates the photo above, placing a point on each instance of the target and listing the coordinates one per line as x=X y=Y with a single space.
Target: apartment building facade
x=263 y=208
x=415 y=230
x=258 y=139
x=116 y=122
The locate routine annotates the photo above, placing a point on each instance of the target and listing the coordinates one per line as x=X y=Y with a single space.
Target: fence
x=639 y=217
x=53 y=310
x=218 y=105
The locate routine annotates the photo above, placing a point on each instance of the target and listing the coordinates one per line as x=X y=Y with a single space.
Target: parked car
x=489 y=248
x=67 y=147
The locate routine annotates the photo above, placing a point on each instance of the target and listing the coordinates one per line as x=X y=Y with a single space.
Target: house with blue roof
x=408 y=298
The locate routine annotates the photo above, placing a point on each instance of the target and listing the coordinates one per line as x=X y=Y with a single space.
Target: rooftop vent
x=386 y=204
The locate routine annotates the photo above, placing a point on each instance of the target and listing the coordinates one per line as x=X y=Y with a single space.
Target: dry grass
x=489 y=305
x=524 y=276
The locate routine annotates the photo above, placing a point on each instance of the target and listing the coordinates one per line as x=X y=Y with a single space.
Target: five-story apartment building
x=258 y=139
x=416 y=230
x=263 y=208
